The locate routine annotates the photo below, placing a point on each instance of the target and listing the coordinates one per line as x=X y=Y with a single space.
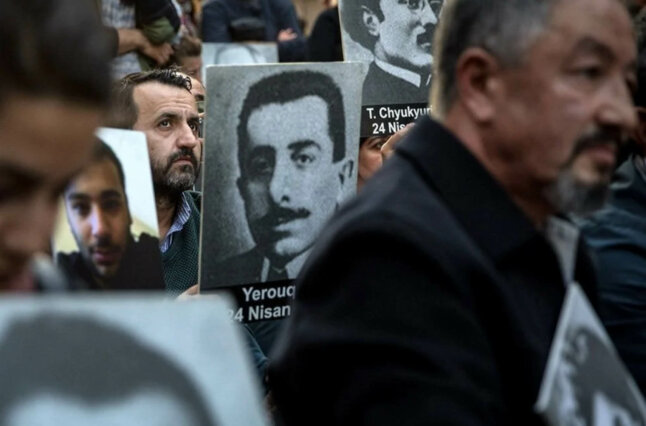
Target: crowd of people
x=433 y=295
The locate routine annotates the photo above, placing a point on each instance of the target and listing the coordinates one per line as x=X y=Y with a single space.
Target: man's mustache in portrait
x=427 y=36
x=266 y=225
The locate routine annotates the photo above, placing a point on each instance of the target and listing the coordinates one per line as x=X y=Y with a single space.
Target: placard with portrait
x=107 y=235
x=280 y=158
x=396 y=39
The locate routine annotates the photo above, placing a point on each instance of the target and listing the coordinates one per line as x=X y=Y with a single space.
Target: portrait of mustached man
x=399 y=33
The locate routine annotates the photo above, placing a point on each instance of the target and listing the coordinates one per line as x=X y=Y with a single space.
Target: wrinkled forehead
x=154 y=98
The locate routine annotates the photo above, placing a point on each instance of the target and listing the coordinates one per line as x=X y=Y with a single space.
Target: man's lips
x=106 y=256
x=605 y=153
x=184 y=161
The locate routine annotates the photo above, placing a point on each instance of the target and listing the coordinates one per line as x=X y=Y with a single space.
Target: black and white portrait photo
x=586 y=383
x=83 y=361
x=107 y=237
x=395 y=37
x=277 y=171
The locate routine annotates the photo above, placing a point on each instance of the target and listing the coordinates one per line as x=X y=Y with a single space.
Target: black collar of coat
x=478 y=201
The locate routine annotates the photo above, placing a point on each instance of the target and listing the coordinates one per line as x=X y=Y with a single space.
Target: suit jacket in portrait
x=242 y=269
x=382 y=88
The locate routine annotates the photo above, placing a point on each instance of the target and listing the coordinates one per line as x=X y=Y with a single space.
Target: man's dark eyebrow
x=298 y=145
x=28 y=179
x=111 y=193
x=167 y=116
x=25 y=177
x=80 y=196
x=175 y=117
x=194 y=120
x=77 y=196
x=199 y=97
x=590 y=45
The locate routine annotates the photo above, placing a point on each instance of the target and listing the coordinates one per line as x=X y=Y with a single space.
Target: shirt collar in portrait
x=402 y=73
x=293 y=267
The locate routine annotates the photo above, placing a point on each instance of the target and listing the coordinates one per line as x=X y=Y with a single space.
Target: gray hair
x=504 y=28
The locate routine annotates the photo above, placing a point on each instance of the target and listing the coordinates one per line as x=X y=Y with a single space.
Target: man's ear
x=370 y=21
x=639 y=134
x=477 y=80
x=346 y=168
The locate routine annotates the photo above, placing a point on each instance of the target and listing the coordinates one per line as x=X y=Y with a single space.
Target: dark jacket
x=277 y=15
x=324 y=43
x=148 y=11
x=140 y=268
x=430 y=299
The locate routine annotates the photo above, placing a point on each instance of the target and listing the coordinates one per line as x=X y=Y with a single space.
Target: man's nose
x=187 y=137
x=98 y=222
x=280 y=185
x=426 y=14
x=616 y=107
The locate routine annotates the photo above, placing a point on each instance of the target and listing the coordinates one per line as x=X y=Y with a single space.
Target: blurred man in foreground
x=434 y=296
x=50 y=106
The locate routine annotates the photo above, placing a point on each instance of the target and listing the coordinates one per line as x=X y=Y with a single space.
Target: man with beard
x=434 y=295
x=98 y=214
x=160 y=104
x=399 y=34
x=291 y=177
